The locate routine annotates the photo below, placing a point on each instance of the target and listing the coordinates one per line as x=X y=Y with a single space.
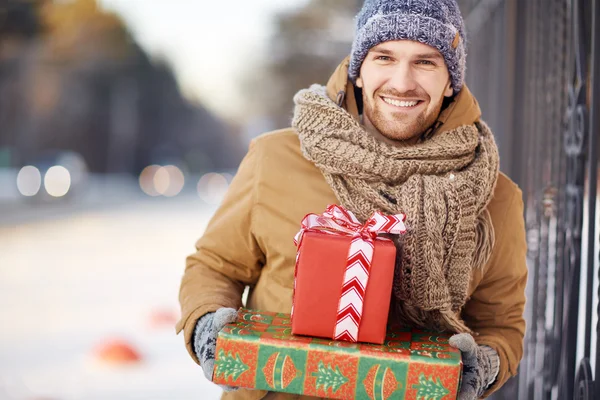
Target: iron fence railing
x=535 y=68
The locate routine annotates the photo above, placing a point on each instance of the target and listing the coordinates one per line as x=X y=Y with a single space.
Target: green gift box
x=260 y=352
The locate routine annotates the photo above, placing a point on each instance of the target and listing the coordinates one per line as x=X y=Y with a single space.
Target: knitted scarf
x=443 y=185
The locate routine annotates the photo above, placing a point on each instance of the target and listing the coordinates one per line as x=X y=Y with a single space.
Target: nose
x=402 y=79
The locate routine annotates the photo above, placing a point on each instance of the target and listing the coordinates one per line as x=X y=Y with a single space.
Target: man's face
x=403 y=84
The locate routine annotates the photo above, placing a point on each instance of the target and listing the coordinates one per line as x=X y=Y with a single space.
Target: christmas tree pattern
x=428 y=389
x=231 y=366
x=327 y=377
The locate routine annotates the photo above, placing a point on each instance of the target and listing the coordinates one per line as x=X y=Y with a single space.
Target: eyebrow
x=426 y=56
x=382 y=51
x=437 y=56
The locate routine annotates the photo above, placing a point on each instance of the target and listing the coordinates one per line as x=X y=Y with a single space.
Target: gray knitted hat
x=437 y=23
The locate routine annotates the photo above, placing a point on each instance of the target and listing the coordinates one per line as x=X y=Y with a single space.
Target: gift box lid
x=401 y=342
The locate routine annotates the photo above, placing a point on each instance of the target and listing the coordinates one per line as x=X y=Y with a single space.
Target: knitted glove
x=480 y=366
x=205 y=339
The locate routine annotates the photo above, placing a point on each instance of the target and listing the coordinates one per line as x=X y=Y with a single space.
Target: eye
x=383 y=58
x=426 y=62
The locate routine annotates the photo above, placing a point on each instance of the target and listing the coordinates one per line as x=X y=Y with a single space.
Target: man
x=394 y=130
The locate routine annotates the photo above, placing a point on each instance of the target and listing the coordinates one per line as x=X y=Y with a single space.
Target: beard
x=399 y=125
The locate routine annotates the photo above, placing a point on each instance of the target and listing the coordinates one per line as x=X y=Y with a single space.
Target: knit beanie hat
x=437 y=23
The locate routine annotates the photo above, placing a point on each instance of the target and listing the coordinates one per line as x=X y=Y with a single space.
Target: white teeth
x=399 y=103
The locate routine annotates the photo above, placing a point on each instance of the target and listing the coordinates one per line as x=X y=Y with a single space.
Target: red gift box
x=344 y=275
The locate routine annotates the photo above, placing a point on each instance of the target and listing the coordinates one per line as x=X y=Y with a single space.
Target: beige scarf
x=443 y=185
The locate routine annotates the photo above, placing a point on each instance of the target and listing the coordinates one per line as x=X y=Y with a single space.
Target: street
x=79 y=281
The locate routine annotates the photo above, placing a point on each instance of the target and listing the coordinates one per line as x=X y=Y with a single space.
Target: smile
x=401 y=103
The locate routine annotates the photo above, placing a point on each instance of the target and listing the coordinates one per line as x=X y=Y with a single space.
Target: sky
x=208 y=43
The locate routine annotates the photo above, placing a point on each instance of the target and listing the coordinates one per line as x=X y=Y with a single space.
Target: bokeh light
x=156 y=180
x=29 y=181
x=57 y=181
x=176 y=181
x=147 y=180
x=162 y=180
x=212 y=187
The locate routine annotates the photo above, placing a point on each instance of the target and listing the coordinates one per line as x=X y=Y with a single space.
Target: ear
x=359 y=82
x=448 y=92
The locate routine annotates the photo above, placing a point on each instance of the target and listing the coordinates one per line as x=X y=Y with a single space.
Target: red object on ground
x=163 y=318
x=117 y=351
x=318 y=287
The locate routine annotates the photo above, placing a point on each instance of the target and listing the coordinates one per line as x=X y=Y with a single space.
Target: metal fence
x=534 y=66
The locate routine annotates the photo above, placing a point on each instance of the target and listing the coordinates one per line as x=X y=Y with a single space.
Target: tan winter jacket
x=249 y=241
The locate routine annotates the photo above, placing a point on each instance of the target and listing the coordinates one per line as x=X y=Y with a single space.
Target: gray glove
x=480 y=366
x=205 y=339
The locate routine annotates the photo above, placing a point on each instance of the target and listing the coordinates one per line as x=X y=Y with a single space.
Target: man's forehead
x=410 y=47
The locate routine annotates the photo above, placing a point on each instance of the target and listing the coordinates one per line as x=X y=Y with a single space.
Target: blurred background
x=122 y=123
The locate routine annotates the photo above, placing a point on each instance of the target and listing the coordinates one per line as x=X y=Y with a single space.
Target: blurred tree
x=73 y=26
x=18 y=18
x=77 y=80
x=19 y=23
x=307 y=45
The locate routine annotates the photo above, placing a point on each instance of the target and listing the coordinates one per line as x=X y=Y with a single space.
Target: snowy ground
x=68 y=285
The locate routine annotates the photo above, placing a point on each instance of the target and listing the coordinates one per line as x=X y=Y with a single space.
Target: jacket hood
x=463 y=110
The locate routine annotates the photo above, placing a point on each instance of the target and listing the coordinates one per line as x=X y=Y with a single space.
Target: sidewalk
x=74 y=282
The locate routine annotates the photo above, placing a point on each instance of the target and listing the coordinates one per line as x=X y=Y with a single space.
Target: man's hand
x=205 y=339
x=480 y=366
